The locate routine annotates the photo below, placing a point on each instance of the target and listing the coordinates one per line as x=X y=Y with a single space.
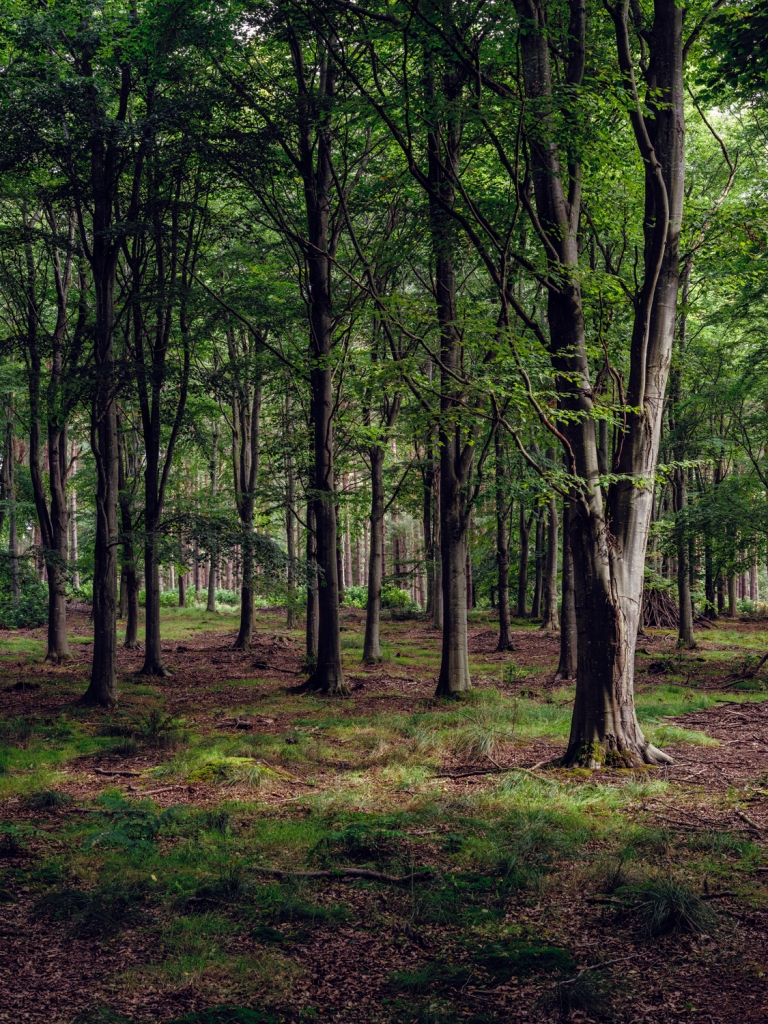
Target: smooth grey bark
x=538 y=559
x=290 y=518
x=569 y=638
x=524 y=530
x=609 y=566
x=551 y=617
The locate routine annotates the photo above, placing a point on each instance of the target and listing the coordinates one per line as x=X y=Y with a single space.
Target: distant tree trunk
x=686 y=636
x=182 y=584
x=10 y=491
x=551 y=620
x=290 y=522
x=710 y=592
x=569 y=638
x=428 y=481
x=339 y=553
x=129 y=589
x=52 y=518
x=539 y=566
x=371 y=645
x=733 y=609
x=522 y=572
x=503 y=513
x=212 y=554
x=246 y=455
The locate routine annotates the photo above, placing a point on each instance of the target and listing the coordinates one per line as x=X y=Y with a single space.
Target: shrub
x=30 y=611
x=99 y=913
x=47 y=799
x=668 y=906
x=17 y=732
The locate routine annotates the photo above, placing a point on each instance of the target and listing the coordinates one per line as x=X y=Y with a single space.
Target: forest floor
x=136 y=846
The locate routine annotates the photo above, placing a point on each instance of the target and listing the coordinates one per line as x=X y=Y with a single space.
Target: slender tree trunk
x=551 y=616
x=182 y=584
x=503 y=512
x=313 y=614
x=522 y=572
x=569 y=639
x=686 y=636
x=339 y=553
x=129 y=587
x=102 y=688
x=290 y=518
x=733 y=610
x=371 y=646
x=539 y=555
x=10 y=490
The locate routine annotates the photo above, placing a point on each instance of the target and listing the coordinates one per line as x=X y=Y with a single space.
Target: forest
x=383 y=511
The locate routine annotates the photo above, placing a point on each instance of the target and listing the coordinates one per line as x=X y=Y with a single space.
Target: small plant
x=13 y=841
x=513 y=673
x=126 y=746
x=359 y=842
x=486 y=732
x=667 y=906
x=431 y=977
x=231 y=886
x=17 y=732
x=98 y=913
x=47 y=800
x=157 y=729
x=585 y=993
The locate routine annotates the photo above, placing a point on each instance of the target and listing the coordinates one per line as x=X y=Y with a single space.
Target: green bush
x=168 y=599
x=356 y=597
x=31 y=609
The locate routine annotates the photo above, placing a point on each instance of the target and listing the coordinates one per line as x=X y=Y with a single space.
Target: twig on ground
x=747 y=820
x=103 y=771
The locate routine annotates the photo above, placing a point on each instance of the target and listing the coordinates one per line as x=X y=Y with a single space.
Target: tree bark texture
x=609 y=538
x=503 y=513
x=569 y=639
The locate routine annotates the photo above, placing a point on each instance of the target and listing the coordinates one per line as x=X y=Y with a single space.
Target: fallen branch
x=339 y=873
x=747 y=820
x=103 y=771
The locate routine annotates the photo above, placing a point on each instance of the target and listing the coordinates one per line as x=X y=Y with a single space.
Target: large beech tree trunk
x=608 y=566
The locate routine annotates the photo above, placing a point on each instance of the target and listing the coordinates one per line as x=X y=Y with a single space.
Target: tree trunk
x=245 y=633
x=313 y=616
x=733 y=609
x=569 y=641
x=129 y=585
x=551 y=616
x=290 y=519
x=686 y=636
x=710 y=591
x=538 y=558
x=182 y=584
x=503 y=512
x=328 y=676
x=339 y=553
x=13 y=538
x=102 y=688
x=371 y=647
x=522 y=571
x=608 y=566
x=211 y=585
